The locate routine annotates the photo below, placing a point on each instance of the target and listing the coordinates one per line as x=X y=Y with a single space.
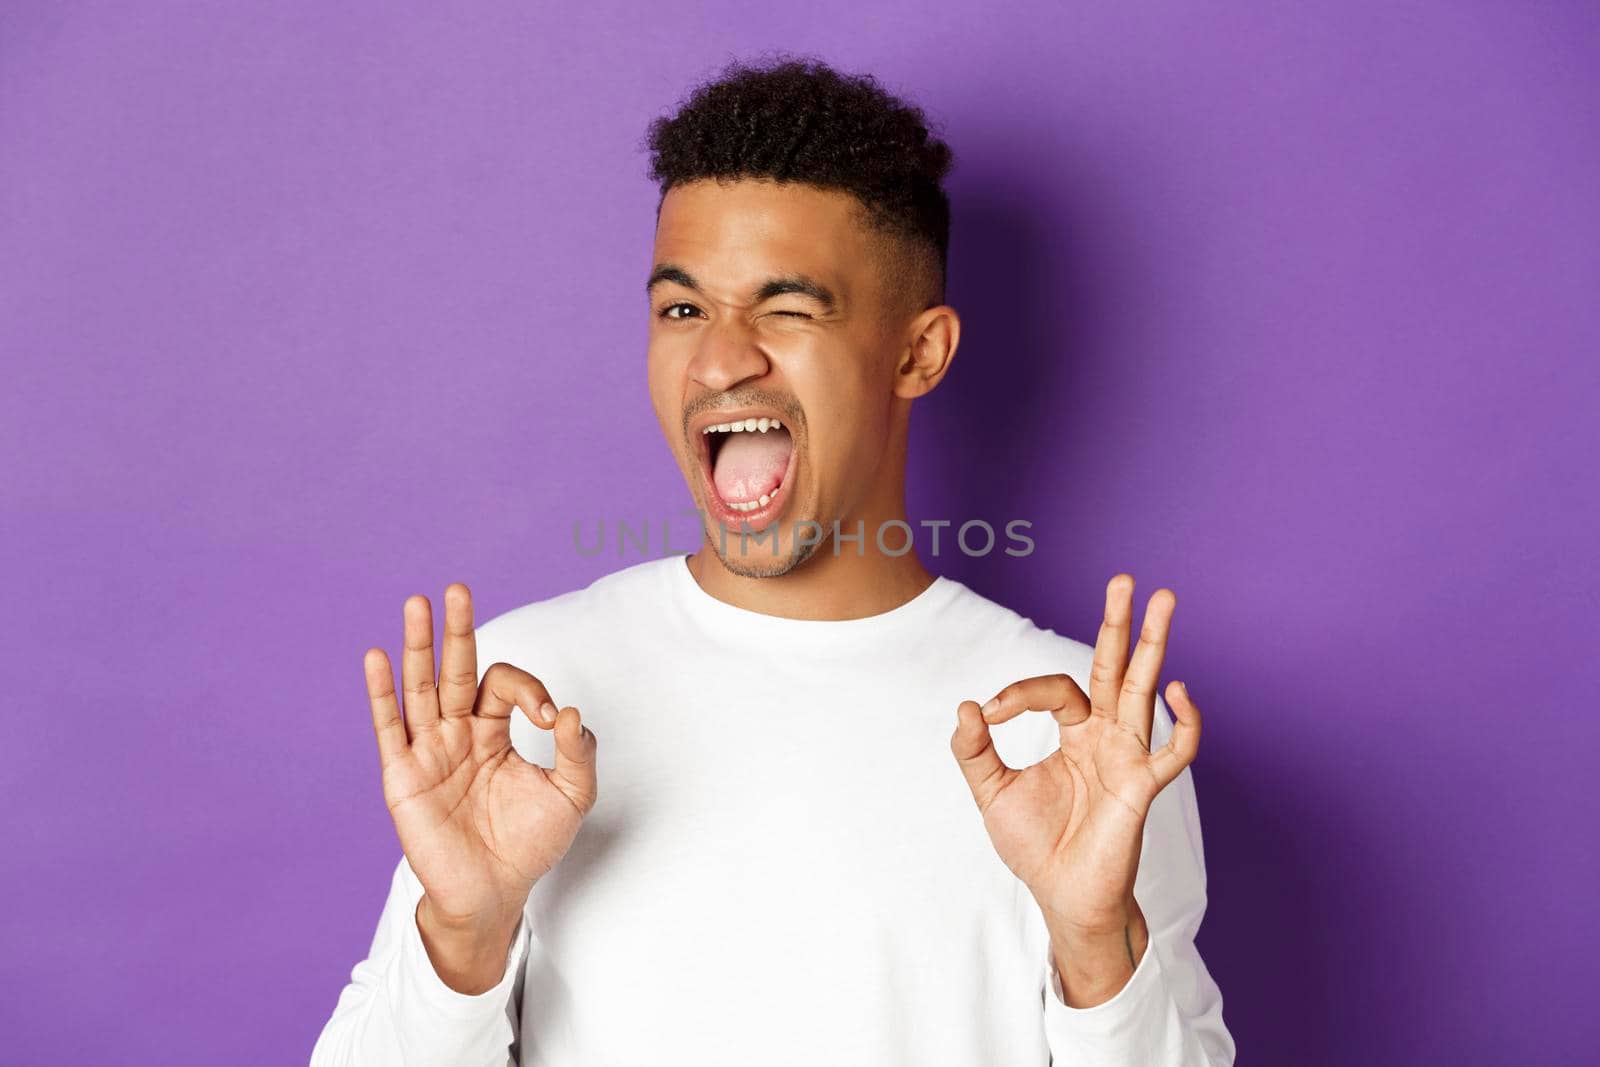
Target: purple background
x=1289 y=307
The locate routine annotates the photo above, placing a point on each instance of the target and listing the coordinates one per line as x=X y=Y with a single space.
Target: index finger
x=1056 y=693
x=506 y=686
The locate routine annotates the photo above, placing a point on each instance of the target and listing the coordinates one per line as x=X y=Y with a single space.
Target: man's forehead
x=750 y=214
x=733 y=234
x=762 y=199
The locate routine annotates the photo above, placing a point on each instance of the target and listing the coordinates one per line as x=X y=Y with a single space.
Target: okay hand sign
x=478 y=823
x=1071 y=825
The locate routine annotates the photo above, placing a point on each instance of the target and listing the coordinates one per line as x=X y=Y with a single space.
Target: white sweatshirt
x=784 y=865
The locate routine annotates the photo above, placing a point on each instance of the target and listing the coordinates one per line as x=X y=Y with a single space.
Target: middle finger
x=1111 y=647
x=458 y=660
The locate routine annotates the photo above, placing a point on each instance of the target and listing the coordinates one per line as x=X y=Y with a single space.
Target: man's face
x=768 y=303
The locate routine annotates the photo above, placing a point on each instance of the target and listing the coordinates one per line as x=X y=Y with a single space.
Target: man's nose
x=728 y=355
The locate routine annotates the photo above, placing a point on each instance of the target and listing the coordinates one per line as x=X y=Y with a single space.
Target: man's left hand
x=1070 y=826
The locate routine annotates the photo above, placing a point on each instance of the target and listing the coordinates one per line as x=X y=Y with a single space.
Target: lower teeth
x=752 y=505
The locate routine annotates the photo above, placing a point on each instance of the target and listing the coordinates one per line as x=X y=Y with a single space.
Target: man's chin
x=758 y=555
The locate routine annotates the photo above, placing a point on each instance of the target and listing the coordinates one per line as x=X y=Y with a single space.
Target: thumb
x=973 y=747
x=573 y=772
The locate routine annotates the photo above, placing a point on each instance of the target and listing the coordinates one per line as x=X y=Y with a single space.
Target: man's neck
x=829 y=585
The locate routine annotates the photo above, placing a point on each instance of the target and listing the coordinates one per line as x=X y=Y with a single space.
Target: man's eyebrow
x=797 y=283
x=670 y=272
x=788 y=283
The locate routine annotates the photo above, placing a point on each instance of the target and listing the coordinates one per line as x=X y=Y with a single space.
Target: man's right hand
x=478 y=823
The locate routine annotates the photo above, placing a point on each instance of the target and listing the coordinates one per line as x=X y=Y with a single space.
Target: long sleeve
x=1170 y=1012
x=396 y=1010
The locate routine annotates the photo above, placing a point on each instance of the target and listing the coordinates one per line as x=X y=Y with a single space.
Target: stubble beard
x=760 y=562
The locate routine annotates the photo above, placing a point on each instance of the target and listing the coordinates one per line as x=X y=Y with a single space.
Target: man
x=777 y=860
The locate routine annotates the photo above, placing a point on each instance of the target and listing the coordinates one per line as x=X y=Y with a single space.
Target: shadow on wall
x=1034 y=276
x=1266 y=934
x=995 y=430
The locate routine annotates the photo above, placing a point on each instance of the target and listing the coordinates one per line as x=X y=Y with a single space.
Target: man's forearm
x=1095 y=964
x=468 y=957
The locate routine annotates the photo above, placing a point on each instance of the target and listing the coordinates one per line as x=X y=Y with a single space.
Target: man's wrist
x=1096 y=962
x=469 y=956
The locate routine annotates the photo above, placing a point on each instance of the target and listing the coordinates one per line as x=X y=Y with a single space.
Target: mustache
x=746 y=396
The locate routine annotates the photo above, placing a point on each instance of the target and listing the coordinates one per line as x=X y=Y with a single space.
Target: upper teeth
x=761 y=425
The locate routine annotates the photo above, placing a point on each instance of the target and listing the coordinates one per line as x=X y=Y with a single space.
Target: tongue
x=751 y=464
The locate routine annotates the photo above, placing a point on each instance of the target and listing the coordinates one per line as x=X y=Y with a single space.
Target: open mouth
x=748 y=462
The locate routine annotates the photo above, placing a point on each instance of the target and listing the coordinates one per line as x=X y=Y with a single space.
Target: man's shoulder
x=573 y=617
x=1008 y=635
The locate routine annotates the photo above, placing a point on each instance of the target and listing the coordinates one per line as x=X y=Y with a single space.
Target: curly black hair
x=799 y=120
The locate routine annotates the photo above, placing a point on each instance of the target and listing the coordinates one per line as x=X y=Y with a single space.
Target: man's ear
x=923 y=363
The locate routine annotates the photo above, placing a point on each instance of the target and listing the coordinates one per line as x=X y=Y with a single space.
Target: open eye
x=668 y=311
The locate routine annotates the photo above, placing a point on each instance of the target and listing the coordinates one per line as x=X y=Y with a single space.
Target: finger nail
x=547 y=712
x=991 y=707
